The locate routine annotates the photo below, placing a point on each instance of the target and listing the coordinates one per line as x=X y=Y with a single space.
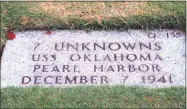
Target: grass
x=91 y=15
x=19 y=16
x=93 y=97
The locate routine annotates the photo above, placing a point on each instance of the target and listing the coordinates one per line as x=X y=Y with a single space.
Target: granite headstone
x=154 y=58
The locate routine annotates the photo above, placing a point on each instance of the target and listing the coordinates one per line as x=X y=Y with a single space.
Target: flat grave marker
x=154 y=58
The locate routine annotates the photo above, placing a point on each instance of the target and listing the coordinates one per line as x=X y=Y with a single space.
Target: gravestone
x=64 y=58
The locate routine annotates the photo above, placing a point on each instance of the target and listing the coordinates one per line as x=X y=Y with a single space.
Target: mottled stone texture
x=154 y=58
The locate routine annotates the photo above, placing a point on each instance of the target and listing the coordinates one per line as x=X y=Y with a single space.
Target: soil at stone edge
x=1 y=52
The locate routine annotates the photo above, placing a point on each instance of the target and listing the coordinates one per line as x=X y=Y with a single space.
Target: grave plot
x=64 y=58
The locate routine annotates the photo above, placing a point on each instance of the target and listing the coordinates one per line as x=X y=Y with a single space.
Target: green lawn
x=20 y=16
x=91 y=15
x=93 y=97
